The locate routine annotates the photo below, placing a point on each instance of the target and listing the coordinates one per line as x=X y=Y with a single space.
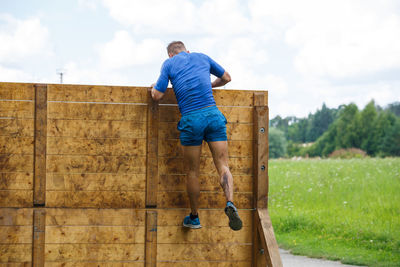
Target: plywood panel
x=95 y=264
x=15 y=234
x=17 y=91
x=95 y=199
x=16 y=145
x=234 y=131
x=17 y=109
x=15 y=253
x=238 y=166
x=95 y=234
x=203 y=252
x=97 y=146
x=241 y=183
x=16 y=217
x=16 y=127
x=16 y=181
x=232 y=114
x=16 y=198
x=81 y=182
x=96 y=129
x=16 y=163
x=92 y=93
x=169 y=199
x=173 y=148
x=96 y=164
x=92 y=217
x=205 y=263
x=90 y=111
x=94 y=252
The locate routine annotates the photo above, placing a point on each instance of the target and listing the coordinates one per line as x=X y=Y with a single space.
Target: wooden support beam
x=152 y=152
x=267 y=237
x=39 y=187
x=151 y=238
x=39 y=225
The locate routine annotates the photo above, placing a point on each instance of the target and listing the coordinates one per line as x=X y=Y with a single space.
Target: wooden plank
x=17 y=109
x=93 y=217
x=15 y=234
x=17 y=91
x=177 y=182
x=94 y=252
x=95 y=234
x=95 y=199
x=96 y=146
x=17 y=127
x=232 y=114
x=151 y=238
x=16 y=163
x=179 y=199
x=95 y=264
x=203 y=252
x=96 y=129
x=97 y=111
x=208 y=217
x=208 y=235
x=152 y=152
x=96 y=164
x=261 y=151
x=97 y=93
x=16 y=181
x=16 y=145
x=238 y=166
x=92 y=182
x=173 y=148
x=234 y=131
x=222 y=97
x=16 y=198
x=205 y=263
x=39 y=225
x=15 y=253
x=16 y=217
x=268 y=240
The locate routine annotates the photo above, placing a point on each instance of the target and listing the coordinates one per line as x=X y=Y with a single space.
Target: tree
x=391 y=141
x=277 y=143
x=368 y=131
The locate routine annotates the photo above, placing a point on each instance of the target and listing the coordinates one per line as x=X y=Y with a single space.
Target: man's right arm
x=225 y=78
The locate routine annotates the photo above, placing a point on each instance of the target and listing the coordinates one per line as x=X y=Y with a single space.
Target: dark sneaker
x=235 y=223
x=193 y=224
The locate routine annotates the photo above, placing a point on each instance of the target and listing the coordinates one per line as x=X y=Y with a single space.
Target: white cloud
x=89 y=4
x=123 y=51
x=12 y=75
x=22 y=39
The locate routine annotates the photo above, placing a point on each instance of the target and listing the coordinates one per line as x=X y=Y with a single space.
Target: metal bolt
x=262 y=167
x=262 y=130
x=261 y=251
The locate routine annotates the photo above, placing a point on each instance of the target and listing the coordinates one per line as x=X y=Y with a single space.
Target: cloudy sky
x=303 y=52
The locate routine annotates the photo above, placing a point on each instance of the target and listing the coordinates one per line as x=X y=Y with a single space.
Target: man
x=201 y=120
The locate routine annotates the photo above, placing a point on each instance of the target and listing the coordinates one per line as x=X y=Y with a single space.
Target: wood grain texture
x=96 y=129
x=95 y=199
x=96 y=111
x=124 y=263
x=177 y=182
x=213 y=200
x=15 y=234
x=16 y=163
x=97 y=93
x=94 y=252
x=95 y=217
x=15 y=253
x=17 y=127
x=16 y=198
x=96 y=146
x=16 y=181
x=16 y=145
x=96 y=164
x=16 y=217
x=92 y=182
x=17 y=109
x=152 y=153
x=17 y=91
x=151 y=238
x=205 y=263
x=39 y=226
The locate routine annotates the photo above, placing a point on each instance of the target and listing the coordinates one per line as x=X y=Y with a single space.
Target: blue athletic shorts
x=207 y=124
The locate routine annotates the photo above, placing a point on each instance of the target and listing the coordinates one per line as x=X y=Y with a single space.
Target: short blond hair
x=176 y=47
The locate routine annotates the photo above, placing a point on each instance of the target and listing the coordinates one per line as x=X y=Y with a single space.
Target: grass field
x=346 y=210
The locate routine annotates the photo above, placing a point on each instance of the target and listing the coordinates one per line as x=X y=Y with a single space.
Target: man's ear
x=188 y=51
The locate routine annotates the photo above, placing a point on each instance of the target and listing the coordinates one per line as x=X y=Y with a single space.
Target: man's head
x=175 y=48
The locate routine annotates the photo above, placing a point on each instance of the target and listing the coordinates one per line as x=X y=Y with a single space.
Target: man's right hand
x=225 y=78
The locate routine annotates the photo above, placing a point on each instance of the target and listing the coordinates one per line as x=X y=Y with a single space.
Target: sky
x=304 y=53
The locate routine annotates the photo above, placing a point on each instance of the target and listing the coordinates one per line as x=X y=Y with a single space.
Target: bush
x=348 y=153
x=277 y=143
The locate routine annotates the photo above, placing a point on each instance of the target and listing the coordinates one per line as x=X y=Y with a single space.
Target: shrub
x=348 y=153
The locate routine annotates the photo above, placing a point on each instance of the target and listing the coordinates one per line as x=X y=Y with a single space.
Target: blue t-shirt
x=189 y=74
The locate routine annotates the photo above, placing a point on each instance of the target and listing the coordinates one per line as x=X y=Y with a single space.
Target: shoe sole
x=235 y=223
x=191 y=226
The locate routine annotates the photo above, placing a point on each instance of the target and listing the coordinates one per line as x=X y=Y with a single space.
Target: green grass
x=347 y=210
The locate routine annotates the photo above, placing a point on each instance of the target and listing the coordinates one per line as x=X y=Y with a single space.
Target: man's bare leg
x=191 y=155
x=219 y=150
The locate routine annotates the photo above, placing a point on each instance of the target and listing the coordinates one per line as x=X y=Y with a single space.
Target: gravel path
x=290 y=260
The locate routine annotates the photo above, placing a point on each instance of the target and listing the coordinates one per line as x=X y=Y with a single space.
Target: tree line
x=374 y=129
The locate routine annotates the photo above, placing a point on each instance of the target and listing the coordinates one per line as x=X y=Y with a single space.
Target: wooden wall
x=94 y=175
